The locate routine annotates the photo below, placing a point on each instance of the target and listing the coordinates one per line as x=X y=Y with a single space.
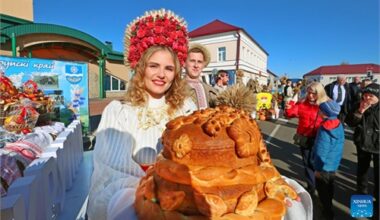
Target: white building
x=328 y=74
x=231 y=49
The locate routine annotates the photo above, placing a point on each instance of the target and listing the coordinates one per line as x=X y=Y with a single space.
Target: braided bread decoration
x=214 y=165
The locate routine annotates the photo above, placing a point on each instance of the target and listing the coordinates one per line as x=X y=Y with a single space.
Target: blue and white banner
x=66 y=82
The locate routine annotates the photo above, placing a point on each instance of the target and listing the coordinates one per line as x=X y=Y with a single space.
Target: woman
x=307 y=111
x=155 y=95
x=365 y=119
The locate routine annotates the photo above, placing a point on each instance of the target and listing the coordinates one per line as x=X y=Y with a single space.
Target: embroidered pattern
x=150 y=117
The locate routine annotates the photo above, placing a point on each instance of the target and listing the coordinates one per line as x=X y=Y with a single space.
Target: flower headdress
x=158 y=27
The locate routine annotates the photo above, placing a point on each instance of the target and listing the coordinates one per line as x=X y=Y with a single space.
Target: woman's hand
x=289 y=203
x=287 y=105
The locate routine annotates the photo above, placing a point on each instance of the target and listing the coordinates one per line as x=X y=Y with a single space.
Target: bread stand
x=121 y=205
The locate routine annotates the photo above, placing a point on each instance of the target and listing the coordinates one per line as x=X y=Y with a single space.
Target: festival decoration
x=157 y=27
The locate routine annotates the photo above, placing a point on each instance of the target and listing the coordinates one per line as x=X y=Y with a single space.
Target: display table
x=40 y=193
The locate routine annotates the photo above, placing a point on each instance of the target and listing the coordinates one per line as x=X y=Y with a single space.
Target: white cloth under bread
x=121 y=205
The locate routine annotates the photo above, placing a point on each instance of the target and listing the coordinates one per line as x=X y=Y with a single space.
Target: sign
x=65 y=82
x=361 y=206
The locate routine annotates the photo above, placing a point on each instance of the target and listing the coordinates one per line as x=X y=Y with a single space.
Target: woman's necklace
x=150 y=117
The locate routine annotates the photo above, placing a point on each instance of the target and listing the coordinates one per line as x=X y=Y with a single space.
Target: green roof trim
x=40 y=28
x=116 y=56
x=7 y=20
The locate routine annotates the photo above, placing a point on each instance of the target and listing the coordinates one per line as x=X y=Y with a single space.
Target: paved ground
x=286 y=157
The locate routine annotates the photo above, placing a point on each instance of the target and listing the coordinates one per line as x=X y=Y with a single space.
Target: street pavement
x=286 y=156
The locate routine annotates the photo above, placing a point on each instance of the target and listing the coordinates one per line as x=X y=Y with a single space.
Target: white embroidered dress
x=122 y=132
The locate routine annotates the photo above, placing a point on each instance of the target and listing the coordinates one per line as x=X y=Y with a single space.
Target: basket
x=14 y=127
x=11 y=116
x=4 y=111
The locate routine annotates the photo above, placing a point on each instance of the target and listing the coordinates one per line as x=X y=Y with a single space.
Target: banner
x=65 y=82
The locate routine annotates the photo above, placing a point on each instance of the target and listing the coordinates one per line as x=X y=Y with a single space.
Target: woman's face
x=159 y=73
x=370 y=98
x=311 y=95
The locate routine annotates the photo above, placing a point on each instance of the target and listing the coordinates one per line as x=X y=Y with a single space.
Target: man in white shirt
x=339 y=91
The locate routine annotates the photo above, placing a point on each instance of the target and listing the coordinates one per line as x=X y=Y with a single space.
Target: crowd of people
x=323 y=114
x=128 y=136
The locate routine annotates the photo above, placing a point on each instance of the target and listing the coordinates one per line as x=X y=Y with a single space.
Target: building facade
x=328 y=74
x=272 y=79
x=231 y=48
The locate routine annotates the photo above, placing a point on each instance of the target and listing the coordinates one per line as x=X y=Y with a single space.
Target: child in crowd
x=327 y=153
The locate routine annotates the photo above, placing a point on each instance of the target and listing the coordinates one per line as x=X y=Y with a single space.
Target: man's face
x=341 y=80
x=225 y=79
x=194 y=65
x=370 y=98
x=357 y=80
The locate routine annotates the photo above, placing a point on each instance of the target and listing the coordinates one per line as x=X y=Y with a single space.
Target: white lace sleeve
x=114 y=168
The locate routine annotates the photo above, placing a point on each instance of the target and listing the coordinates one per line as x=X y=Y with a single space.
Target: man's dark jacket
x=366 y=135
x=329 y=91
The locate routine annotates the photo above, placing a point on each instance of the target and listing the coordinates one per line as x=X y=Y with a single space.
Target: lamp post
x=101 y=62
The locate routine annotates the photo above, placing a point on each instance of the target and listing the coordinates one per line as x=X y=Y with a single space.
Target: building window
x=112 y=83
x=221 y=54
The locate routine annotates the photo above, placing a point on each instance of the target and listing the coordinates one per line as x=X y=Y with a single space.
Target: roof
x=214 y=27
x=272 y=73
x=217 y=27
x=33 y=28
x=345 y=69
x=6 y=21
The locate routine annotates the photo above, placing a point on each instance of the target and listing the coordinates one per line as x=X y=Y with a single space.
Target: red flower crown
x=158 y=27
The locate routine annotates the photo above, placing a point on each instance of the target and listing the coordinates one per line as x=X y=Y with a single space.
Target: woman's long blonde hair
x=318 y=88
x=137 y=94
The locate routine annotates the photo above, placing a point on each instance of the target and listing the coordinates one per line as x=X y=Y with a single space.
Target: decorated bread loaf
x=214 y=165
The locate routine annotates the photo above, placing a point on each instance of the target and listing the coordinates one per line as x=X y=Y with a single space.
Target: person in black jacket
x=339 y=91
x=365 y=119
x=355 y=92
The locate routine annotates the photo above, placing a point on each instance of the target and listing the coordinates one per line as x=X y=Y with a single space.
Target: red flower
x=141 y=33
x=150 y=25
x=159 y=40
x=150 y=40
x=158 y=30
